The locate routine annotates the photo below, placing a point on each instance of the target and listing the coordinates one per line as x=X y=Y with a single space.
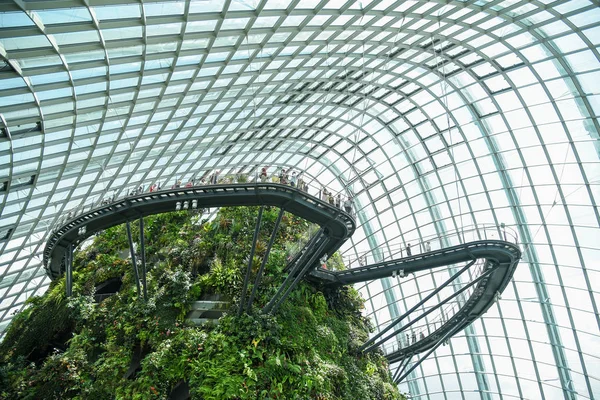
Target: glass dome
x=436 y=115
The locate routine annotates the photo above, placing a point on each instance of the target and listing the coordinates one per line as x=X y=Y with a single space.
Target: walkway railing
x=431 y=243
x=432 y=322
x=313 y=188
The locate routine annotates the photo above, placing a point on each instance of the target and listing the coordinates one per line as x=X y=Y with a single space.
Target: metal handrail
x=423 y=331
x=436 y=242
x=102 y=200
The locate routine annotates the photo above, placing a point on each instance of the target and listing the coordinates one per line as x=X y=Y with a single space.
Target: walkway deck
x=338 y=225
x=501 y=259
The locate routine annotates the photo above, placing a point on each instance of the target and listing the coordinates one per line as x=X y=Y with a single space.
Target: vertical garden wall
x=95 y=345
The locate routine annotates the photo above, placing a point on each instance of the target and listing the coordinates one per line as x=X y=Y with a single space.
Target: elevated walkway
x=337 y=225
x=494 y=262
x=498 y=251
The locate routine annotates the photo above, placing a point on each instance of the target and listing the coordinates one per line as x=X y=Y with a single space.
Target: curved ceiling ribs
x=434 y=114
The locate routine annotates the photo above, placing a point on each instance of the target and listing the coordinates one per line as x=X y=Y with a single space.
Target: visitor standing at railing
x=408 y=250
x=293 y=179
x=427 y=246
x=263 y=175
x=348 y=205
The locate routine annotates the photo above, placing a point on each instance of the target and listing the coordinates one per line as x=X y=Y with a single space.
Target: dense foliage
x=127 y=348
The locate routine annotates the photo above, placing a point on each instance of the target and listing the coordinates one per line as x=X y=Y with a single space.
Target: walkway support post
x=264 y=261
x=416 y=306
x=310 y=262
x=69 y=271
x=143 y=258
x=448 y=334
x=309 y=245
x=133 y=260
x=441 y=303
x=403 y=364
x=249 y=268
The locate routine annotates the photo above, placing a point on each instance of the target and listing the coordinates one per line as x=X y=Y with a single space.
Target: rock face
x=105 y=346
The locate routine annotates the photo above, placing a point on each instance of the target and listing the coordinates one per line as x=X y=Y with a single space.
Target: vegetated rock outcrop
x=120 y=346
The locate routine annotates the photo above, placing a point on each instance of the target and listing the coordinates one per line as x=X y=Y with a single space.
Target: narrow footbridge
x=492 y=263
x=337 y=226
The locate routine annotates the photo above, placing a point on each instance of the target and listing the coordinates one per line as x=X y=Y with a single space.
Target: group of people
x=295 y=180
x=426 y=248
x=414 y=338
x=336 y=201
x=286 y=177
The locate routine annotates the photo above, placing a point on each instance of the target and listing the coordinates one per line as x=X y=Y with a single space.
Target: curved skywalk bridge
x=337 y=225
x=492 y=263
x=497 y=258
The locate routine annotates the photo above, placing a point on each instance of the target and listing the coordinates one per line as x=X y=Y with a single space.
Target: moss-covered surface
x=126 y=348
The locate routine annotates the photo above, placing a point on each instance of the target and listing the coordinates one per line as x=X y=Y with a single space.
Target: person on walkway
x=338 y=201
x=348 y=205
x=408 y=250
x=362 y=260
x=153 y=188
x=301 y=182
x=214 y=178
x=331 y=199
x=263 y=175
x=323 y=261
x=428 y=246
x=324 y=194
x=293 y=179
x=286 y=177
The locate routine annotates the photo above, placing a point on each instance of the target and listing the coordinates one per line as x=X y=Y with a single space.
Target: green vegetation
x=127 y=348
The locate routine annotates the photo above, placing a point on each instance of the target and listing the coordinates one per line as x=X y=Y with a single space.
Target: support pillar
x=264 y=261
x=293 y=271
x=447 y=336
x=69 y=271
x=308 y=264
x=133 y=260
x=143 y=258
x=249 y=268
